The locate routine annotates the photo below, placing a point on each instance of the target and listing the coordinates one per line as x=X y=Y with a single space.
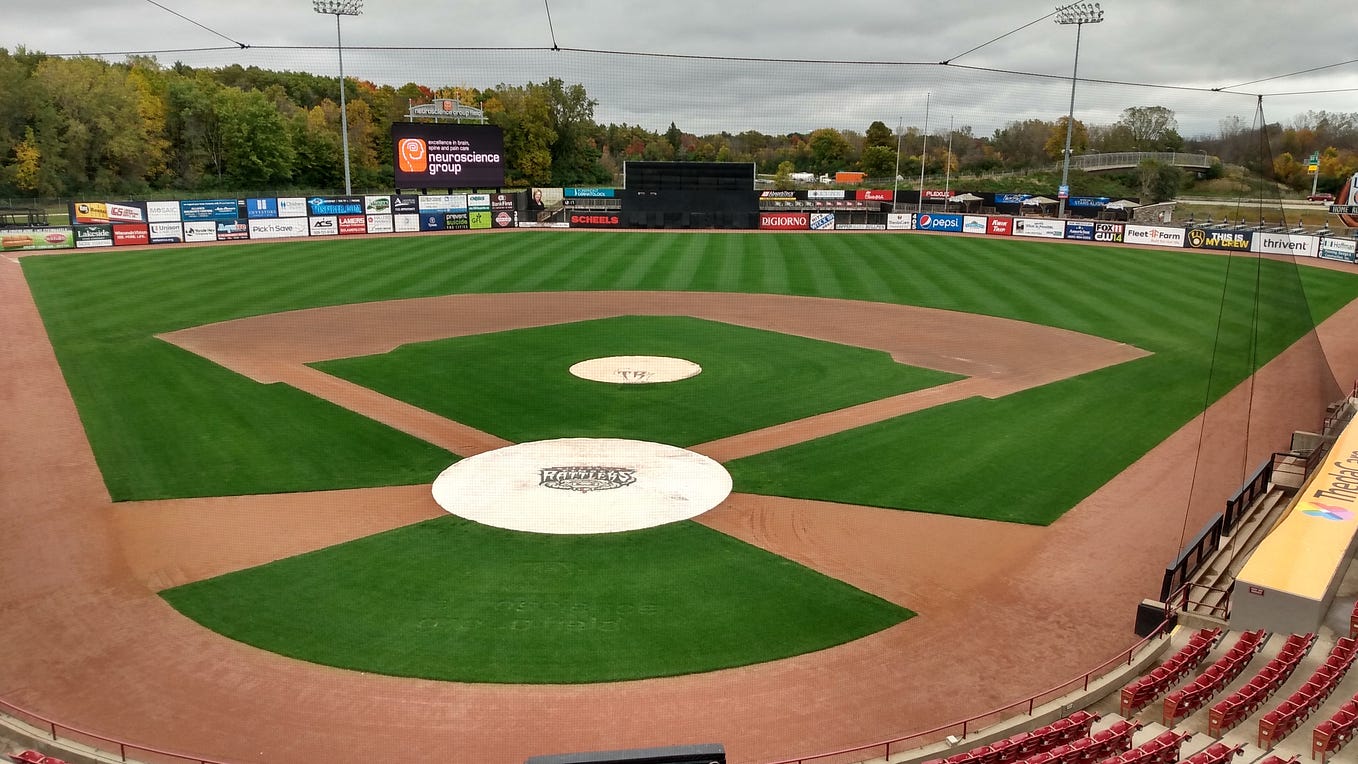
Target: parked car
x=1321 y=197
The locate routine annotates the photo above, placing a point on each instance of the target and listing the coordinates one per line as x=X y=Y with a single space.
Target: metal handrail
x=121 y=747
x=964 y=725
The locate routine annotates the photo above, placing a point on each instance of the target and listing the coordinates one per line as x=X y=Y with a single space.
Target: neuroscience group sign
x=448 y=156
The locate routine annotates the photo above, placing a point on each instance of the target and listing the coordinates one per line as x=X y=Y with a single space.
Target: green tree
x=257 y=150
x=1056 y=140
x=1151 y=128
x=880 y=135
x=525 y=115
x=829 y=150
x=878 y=161
x=1159 y=182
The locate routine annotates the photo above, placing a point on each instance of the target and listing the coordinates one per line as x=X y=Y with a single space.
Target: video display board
x=448 y=156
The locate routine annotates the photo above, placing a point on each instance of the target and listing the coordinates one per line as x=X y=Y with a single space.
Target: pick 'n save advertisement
x=447 y=155
x=278 y=228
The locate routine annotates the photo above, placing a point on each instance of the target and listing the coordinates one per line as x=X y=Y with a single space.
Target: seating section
x=1281 y=721
x=1353 y=622
x=1279 y=760
x=1140 y=692
x=1335 y=732
x=1023 y=746
x=1186 y=700
x=1216 y=753
x=1250 y=697
x=34 y=757
x=1161 y=749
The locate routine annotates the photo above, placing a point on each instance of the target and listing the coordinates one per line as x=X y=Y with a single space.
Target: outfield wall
x=98 y=224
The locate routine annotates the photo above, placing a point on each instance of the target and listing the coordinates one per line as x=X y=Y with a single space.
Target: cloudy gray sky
x=1189 y=44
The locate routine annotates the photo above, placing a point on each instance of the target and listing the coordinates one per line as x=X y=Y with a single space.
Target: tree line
x=71 y=125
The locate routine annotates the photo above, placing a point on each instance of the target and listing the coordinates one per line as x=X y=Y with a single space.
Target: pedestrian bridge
x=1125 y=160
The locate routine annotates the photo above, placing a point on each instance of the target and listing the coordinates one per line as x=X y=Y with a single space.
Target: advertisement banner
x=324 y=206
x=442 y=203
x=874 y=195
x=504 y=219
x=93 y=236
x=822 y=221
x=291 y=207
x=162 y=212
x=1096 y=202
x=1286 y=244
x=973 y=224
x=860 y=227
x=779 y=195
x=1011 y=198
x=478 y=201
x=129 y=234
x=1108 y=232
x=1231 y=241
x=926 y=221
x=936 y=194
x=1153 y=235
x=503 y=201
x=594 y=220
x=1042 y=228
x=94 y=213
x=433 y=221
x=199 y=231
x=900 y=221
x=233 y=230
x=1339 y=249
x=210 y=209
x=353 y=224
x=1079 y=231
x=380 y=224
x=167 y=233
x=259 y=209
x=479 y=220
x=447 y=155
x=825 y=193
x=590 y=193
x=377 y=205
x=1000 y=226
x=281 y=228
x=405 y=205
x=457 y=221
x=326 y=225
x=405 y=223
x=15 y=239
x=784 y=221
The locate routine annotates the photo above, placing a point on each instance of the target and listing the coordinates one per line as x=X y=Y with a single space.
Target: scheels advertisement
x=447 y=156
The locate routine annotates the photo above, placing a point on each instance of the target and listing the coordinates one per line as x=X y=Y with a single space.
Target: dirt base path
x=1004 y=611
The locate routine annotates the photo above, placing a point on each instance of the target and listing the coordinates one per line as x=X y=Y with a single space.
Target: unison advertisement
x=447 y=156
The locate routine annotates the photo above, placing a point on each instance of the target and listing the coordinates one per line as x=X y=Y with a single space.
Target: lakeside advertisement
x=1042 y=228
x=1229 y=241
x=93 y=236
x=281 y=228
x=1153 y=235
x=1285 y=244
x=784 y=221
x=15 y=239
x=433 y=155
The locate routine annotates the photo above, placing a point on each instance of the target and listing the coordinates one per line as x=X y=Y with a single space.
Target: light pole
x=923 y=155
x=896 y=189
x=1078 y=14
x=339 y=8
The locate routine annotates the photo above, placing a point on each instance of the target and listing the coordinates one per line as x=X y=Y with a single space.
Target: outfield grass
x=166 y=423
x=517 y=384
x=452 y=599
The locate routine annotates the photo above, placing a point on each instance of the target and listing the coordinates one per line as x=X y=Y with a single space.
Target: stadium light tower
x=339 y=8
x=1078 y=14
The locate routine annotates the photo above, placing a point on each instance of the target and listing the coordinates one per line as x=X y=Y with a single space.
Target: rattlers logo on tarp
x=585 y=479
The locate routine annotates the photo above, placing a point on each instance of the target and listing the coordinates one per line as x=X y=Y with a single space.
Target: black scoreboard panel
x=677 y=754
x=689 y=195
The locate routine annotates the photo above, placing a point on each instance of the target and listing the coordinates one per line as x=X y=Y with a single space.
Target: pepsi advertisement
x=448 y=156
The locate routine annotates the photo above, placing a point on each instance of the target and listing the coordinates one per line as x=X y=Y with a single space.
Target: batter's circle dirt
x=1005 y=611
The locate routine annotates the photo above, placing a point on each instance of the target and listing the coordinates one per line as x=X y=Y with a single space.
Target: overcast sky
x=1200 y=43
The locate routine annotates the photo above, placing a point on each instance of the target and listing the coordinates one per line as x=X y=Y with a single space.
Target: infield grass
x=166 y=423
x=517 y=384
x=456 y=600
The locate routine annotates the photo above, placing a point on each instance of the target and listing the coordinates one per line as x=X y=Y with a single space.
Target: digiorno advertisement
x=448 y=156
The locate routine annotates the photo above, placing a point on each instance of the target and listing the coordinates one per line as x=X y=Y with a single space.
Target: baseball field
x=266 y=420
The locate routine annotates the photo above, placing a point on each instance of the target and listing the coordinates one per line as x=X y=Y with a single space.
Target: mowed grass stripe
x=97 y=332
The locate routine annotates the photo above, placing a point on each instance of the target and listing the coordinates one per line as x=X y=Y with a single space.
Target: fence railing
x=964 y=727
x=65 y=733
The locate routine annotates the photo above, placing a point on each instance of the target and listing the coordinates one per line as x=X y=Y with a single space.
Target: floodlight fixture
x=1078 y=14
x=339 y=8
